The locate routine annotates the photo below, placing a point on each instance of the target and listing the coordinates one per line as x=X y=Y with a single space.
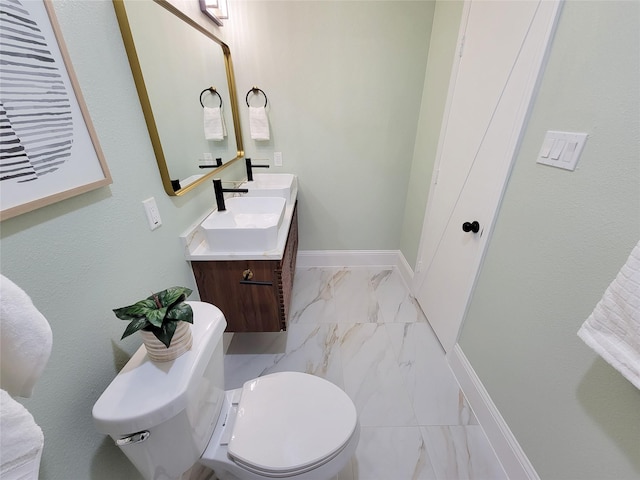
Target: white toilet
x=166 y=417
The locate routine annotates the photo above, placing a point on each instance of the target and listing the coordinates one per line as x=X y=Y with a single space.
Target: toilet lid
x=290 y=421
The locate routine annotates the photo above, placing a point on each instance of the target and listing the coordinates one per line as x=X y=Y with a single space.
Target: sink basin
x=272 y=185
x=249 y=224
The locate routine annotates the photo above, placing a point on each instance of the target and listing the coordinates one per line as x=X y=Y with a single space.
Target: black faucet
x=250 y=167
x=217 y=187
x=217 y=164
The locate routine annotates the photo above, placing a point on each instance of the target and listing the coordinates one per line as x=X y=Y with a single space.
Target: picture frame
x=49 y=150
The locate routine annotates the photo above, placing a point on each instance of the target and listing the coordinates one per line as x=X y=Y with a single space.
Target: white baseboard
x=405 y=270
x=513 y=459
x=356 y=258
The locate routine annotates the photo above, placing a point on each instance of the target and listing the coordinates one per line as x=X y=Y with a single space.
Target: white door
x=503 y=46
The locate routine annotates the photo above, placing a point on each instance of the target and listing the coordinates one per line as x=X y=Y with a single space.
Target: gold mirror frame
x=136 y=69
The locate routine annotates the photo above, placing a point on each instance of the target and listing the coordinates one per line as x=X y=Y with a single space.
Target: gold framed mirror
x=179 y=67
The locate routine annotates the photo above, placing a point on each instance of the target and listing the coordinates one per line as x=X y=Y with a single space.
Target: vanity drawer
x=248 y=305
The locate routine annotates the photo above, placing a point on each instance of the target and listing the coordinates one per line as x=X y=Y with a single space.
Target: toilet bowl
x=166 y=417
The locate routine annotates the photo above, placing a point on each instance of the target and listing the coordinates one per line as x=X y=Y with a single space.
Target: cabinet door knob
x=471 y=227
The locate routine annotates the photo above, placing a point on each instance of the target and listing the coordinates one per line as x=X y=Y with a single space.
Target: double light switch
x=562 y=149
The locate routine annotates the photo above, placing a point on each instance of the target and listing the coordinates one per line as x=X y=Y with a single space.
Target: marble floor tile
x=257 y=343
x=354 y=296
x=394 y=301
x=372 y=377
x=312 y=298
x=199 y=472
x=436 y=396
x=348 y=472
x=361 y=329
x=240 y=368
x=462 y=453
x=312 y=349
x=410 y=312
x=392 y=453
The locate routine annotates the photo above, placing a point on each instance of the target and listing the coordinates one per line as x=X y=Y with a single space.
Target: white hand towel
x=21 y=441
x=258 y=123
x=214 y=126
x=613 y=329
x=25 y=340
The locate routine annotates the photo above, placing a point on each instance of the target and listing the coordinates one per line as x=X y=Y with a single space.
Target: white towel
x=21 y=441
x=214 y=126
x=258 y=123
x=613 y=329
x=25 y=340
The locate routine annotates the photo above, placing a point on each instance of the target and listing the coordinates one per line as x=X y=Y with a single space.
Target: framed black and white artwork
x=48 y=147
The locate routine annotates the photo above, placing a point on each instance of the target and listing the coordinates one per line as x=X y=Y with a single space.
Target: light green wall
x=80 y=258
x=559 y=241
x=344 y=81
x=444 y=35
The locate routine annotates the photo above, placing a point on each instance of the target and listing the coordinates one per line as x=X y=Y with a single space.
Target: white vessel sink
x=249 y=224
x=272 y=185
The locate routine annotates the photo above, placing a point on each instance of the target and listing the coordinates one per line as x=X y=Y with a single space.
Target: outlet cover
x=153 y=214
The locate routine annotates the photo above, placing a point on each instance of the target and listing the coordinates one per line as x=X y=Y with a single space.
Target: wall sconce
x=216 y=10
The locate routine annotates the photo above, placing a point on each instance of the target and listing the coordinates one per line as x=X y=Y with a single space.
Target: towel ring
x=212 y=90
x=255 y=91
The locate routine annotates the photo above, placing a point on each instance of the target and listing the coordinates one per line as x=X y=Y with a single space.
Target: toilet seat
x=288 y=423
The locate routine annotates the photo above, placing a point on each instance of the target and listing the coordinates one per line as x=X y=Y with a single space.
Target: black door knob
x=471 y=227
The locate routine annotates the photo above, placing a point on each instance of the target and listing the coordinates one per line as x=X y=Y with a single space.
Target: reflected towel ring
x=255 y=91
x=212 y=90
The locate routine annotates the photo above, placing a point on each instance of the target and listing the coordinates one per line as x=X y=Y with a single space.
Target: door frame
x=533 y=82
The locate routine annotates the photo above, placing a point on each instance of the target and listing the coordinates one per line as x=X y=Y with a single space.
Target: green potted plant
x=163 y=321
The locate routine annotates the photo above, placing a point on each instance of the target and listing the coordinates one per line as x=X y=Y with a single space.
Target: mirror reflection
x=185 y=82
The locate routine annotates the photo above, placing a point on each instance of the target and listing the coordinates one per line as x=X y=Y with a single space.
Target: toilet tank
x=162 y=415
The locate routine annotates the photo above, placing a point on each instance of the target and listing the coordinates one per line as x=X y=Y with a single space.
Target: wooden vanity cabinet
x=258 y=304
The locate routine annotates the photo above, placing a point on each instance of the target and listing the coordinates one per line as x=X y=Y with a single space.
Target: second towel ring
x=255 y=91
x=212 y=90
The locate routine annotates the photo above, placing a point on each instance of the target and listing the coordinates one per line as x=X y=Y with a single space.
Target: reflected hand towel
x=214 y=127
x=258 y=123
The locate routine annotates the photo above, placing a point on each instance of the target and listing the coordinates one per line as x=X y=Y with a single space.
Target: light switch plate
x=562 y=149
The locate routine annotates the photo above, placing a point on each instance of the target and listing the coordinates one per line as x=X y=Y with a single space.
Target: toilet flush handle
x=133 y=438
